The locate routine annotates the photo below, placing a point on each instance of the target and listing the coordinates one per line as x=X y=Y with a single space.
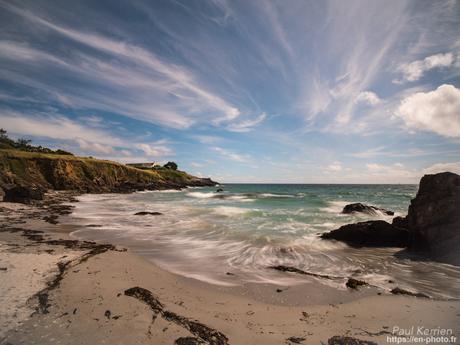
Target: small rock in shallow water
x=362 y=208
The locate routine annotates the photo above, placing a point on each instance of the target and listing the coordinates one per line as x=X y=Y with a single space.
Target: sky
x=242 y=91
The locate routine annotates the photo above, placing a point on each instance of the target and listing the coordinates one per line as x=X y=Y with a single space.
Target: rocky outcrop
x=28 y=169
x=431 y=227
x=22 y=194
x=376 y=233
x=433 y=219
x=362 y=208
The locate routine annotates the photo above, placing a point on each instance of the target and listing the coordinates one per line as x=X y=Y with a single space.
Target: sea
x=234 y=236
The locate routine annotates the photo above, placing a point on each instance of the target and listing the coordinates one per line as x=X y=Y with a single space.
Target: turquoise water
x=204 y=234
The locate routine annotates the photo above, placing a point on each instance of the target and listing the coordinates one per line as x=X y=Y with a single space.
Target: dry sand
x=92 y=302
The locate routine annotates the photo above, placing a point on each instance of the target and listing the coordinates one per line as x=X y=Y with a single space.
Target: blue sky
x=243 y=91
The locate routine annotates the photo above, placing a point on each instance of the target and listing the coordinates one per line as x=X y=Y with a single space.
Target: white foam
x=230 y=211
x=335 y=206
x=201 y=195
x=270 y=195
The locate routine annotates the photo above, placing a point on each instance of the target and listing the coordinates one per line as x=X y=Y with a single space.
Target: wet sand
x=73 y=292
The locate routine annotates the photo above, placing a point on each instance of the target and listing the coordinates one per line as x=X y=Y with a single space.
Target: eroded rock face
x=433 y=218
x=23 y=195
x=375 y=233
x=362 y=208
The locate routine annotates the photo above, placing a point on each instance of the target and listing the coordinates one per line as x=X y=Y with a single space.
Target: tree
x=24 y=142
x=170 y=165
x=3 y=134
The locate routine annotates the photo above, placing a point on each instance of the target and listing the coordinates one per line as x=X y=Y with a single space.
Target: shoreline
x=88 y=303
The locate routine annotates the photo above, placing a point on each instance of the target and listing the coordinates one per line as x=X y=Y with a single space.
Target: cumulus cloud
x=414 y=71
x=437 y=111
x=368 y=97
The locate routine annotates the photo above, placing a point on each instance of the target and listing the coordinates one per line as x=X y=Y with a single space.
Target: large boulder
x=375 y=233
x=433 y=218
x=22 y=194
x=363 y=208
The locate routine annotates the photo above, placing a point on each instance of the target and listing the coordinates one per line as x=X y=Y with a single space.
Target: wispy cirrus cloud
x=228 y=154
x=133 y=70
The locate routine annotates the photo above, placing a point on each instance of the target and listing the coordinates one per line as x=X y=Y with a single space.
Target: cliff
x=67 y=172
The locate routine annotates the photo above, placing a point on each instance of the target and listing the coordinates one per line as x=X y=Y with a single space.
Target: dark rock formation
x=145 y=213
x=219 y=190
x=362 y=208
x=399 y=291
x=343 y=340
x=353 y=283
x=433 y=218
x=22 y=194
x=400 y=222
x=376 y=233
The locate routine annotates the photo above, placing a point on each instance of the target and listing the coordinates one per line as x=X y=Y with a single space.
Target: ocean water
x=204 y=234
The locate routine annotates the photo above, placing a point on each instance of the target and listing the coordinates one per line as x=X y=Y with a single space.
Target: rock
x=400 y=222
x=342 y=340
x=188 y=341
x=219 y=190
x=362 y=208
x=399 y=291
x=22 y=194
x=145 y=213
x=434 y=218
x=353 y=283
x=296 y=340
x=375 y=233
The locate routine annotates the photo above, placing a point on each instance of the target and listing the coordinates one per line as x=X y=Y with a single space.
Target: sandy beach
x=56 y=290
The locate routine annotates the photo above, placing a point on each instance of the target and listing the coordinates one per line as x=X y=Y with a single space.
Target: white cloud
x=442 y=167
x=437 y=111
x=231 y=155
x=414 y=71
x=89 y=146
x=336 y=166
x=368 y=97
x=55 y=127
x=207 y=139
x=246 y=126
x=157 y=149
x=132 y=72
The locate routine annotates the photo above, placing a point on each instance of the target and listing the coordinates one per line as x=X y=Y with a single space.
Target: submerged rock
x=145 y=213
x=433 y=218
x=375 y=233
x=362 y=208
x=22 y=194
